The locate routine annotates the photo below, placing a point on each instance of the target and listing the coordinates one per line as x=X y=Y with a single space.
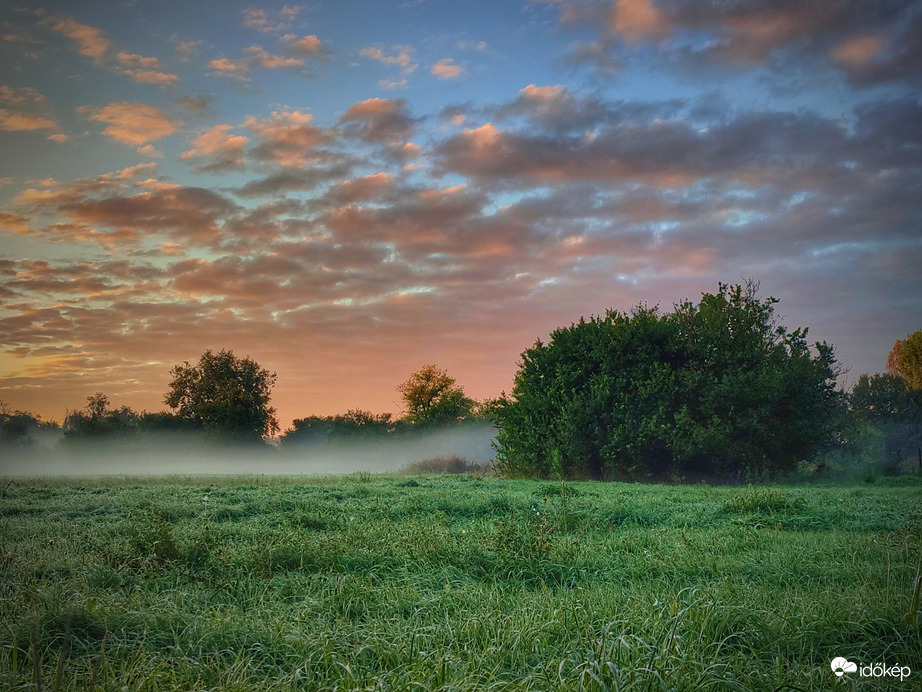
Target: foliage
x=227 y=396
x=433 y=397
x=355 y=424
x=905 y=359
x=883 y=397
x=163 y=422
x=21 y=428
x=717 y=389
x=97 y=420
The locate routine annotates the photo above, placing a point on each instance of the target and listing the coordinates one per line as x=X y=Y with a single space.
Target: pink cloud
x=400 y=56
x=90 y=40
x=13 y=121
x=446 y=69
x=219 y=149
x=261 y=58
x=303 y=45
x=286 y=137
x=132 y=123
x=379 y=120
x=636 y=20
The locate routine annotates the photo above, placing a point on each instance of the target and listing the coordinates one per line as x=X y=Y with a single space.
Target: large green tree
x=227 y=396
x=717 y=389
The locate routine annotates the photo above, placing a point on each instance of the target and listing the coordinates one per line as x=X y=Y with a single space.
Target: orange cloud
x=13 y=121
x=288 y=138
x=858 y=50
x=446 y=69
x=401 y=56
x=636 y=20
x=380 y=120
x=90 y=41
x=304 y=45
x=261 y=58
x=224 y=150
x=132 y=123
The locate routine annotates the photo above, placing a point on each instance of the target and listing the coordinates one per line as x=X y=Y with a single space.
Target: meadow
x=389 y=582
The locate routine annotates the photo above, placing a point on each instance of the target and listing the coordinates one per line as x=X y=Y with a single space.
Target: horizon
x=345 y=202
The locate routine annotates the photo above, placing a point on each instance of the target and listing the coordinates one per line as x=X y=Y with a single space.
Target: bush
x=448 y=464
x=713 y=390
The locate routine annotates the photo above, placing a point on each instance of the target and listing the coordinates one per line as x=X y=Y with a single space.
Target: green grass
x=453 y=583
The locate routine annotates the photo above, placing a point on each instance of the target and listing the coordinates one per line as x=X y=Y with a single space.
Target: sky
x=347 y=191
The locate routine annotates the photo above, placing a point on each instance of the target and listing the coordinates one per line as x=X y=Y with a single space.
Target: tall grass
x=453 y=583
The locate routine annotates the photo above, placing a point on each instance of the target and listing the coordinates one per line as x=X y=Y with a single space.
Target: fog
x=173 y=455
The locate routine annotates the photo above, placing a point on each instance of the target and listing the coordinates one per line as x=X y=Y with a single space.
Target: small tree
x=98 y=420
x=227 y=396
x=433 y=397
x=905 y=360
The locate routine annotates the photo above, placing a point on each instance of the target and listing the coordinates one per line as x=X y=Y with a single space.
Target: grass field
x=454 y=583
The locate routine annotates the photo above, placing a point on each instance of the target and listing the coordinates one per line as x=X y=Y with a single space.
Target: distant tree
x=433 y=397
x=98 y=420
x=227 y=396
x=163 y=422
x=883 y=398
x=905 y=360
x=715 y=389
x=355 y=424
x=893 y=359
x=19 y=428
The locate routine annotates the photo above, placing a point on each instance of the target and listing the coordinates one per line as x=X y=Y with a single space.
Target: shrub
x=718 y=390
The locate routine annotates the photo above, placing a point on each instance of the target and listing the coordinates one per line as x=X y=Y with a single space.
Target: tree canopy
x=228 y=396
x=905 y=360
x=433 y=397
x=717 y=389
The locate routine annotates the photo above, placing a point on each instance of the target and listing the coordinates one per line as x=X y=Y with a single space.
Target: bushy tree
x=433 y=397
x=716 y=389
x=355 y=424
x=97 y=420
x=905 y=360
x=228 y=396
x=882 y=398
x=19 y=429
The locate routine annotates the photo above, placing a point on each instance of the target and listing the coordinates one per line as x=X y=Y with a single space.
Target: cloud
x=90 y=40
x=144 y=70
x=260 y=58
x=234 y=69
x=446 y=69
x=868 y=41
x=287 y=137
x=400 y=56
x=198 y=105
x=131 y=122
x=379 y=120
x=219 y=150
x=472 y=45
x=23 y=96
x=303 y=45
x=29 y=112
x=13 y=121
x=270 y=21
x=636 y=20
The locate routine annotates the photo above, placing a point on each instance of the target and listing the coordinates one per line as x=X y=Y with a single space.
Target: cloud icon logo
x=840 y=666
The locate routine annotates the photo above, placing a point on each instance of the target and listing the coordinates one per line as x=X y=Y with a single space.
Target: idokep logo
x=840 y=666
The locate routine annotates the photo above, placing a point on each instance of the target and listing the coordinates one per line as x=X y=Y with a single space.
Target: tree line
x=718 y=389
